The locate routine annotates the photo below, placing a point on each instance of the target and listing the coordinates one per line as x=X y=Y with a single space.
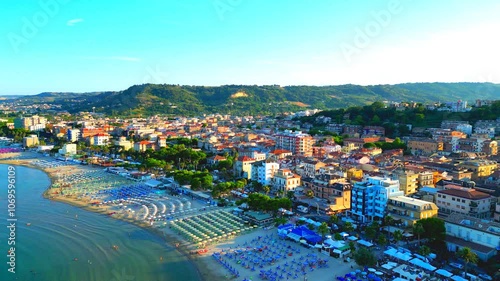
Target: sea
x=56 y=241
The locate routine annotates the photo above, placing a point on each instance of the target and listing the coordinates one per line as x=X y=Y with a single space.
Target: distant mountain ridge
x=246 y=99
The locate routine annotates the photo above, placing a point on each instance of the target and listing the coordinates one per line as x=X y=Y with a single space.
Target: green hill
x=244 y=99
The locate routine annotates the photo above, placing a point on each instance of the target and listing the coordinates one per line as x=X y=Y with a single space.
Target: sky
x=95 y=45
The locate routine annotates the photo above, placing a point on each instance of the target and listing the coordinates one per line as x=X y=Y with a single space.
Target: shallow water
x=67 y=243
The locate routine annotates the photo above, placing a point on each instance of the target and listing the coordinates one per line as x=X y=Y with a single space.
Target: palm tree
x=398 y=236
x=323 y=229
x=424 y=250
x=418 y=229
x=266 y=189
x=382 y=240
x=388 y=220
x=348 y=227
x=468 y=256
x=334 y=219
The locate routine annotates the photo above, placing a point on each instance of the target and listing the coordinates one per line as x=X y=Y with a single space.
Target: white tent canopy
x=364 y=243
x=333 y=243
x=399 y=255
x=422 y=264
x=444 y=273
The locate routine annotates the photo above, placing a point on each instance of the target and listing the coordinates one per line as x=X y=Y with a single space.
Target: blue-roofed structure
x=310 y=236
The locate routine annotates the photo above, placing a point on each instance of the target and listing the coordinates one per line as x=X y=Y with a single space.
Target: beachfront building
x=369 y=198
x=30 y=141
x=457 y=199
x=481 y=236
x=297 y=142
x=68 y=149
x=408 y=211
x=285 y=180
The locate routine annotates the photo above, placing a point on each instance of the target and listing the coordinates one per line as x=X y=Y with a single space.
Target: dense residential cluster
x=450 y=172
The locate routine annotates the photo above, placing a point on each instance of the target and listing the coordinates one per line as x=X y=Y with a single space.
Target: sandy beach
x=230 y=252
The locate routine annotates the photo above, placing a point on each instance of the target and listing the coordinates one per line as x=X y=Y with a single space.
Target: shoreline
x=204 y=269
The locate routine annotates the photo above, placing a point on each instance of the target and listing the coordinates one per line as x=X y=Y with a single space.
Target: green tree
x=388 y=220
x=280 y=221
x=398 y=236
x=468 y=256
x=418 y=229
x=352 y=247
x=337 y=236
x=382 y=240
x=266 y=189
x=371 y=232
x=348 y=227
x=334 y=219
x=424 y=250
x=323 y=229
x=364 y=257
x=434 y=229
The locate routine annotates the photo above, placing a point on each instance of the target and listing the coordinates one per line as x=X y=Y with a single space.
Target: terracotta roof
x=245 y=159
x=465 y=193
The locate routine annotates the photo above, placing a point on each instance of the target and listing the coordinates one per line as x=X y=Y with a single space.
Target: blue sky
x=92 y=45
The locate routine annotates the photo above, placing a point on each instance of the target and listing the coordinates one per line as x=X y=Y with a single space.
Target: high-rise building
x=33 y=123
x=369 y=197
x=296 y=142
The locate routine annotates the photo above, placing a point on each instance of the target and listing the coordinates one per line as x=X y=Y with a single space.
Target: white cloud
x=73 y=22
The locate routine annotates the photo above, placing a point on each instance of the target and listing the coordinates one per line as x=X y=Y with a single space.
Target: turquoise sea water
x=70 y=244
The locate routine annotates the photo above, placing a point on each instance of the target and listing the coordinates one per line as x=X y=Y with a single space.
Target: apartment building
x=100 y=139
x=422 y=146
x=285 y=180
x=263 y=171
x=297 y=142
x=408 y=181
x=467 y=201
x=425 y=178
x=311 y=167
x=243 y=167
x=369 y=197
x=480 y=168
x=408 y=211
x=73 y=135
x=33 y=123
